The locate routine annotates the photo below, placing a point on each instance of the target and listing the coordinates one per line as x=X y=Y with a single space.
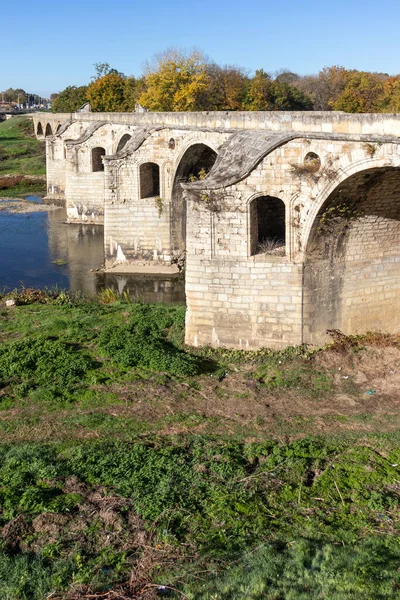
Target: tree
x=288 y=97
x=104 y=69
x=175 y=82
x=362 y=93
x=390 y=99
x=70 y=99
x=107 y=94
x=132 y=92
x=285 y=76
x=260 y=94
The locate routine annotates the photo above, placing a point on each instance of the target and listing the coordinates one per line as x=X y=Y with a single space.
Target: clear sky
x=46 y=46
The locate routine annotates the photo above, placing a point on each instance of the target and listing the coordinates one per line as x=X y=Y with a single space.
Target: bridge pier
x=290 y=222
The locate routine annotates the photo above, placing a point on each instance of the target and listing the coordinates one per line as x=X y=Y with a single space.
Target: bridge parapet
x=308 y=122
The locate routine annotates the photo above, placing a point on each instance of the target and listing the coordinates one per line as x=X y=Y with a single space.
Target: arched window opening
x=58 y=128
x=123 y=141
x=267 y=226
x=49 y=130
x=149 y=180
x=39 y=129
x=97 y=163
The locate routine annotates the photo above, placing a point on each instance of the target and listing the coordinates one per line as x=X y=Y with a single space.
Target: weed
x=271 y=246
x=44 y=362
x=158 y=202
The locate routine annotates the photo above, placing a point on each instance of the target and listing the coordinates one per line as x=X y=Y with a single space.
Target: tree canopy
x=70 y=99
x=188 y=81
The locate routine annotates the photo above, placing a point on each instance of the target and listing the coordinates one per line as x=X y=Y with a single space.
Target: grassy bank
x=21 y=154
x=129 y=461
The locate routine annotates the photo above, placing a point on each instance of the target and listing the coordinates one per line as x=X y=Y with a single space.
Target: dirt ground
x=337 y=392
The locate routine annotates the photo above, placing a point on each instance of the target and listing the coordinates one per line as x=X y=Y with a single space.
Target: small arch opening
x=39 y=130
x=267 y=226
x=171 y=144
x=149 y=180
x=123 y=141
x=97 y=162
x=58 y=128
x=49 y=130
x=312 y=162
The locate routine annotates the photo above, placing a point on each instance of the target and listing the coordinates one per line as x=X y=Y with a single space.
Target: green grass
x=109 y=469
x=259 y=520
x=20 y=152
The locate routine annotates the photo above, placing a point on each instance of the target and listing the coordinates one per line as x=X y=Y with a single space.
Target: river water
x=33 y=245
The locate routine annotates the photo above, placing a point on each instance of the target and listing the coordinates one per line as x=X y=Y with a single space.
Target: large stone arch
x=386 y=156
x=197 y=156
x=352 y=258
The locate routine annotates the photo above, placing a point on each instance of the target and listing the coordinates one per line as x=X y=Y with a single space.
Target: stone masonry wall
x=141 y=229
x=235 y=296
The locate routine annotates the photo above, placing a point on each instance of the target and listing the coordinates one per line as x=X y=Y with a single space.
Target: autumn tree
x=175 y=82
x=70 y=99
x=260 y=93
x=361 y=94
x=390 y=99
x=132 y=92
x=107 y=94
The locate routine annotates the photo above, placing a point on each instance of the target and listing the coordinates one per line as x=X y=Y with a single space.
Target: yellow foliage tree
x=390 y=101
x=175 y=83
x=362 y=93
x=107 y=93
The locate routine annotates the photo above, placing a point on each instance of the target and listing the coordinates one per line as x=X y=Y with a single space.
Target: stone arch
x=39 y=130
x=194 y=161
x=123 y=141
x=49 y=130
x=97 y=155
x=352 y=258
x=149 y=174
x=345 y=169
x=267 y=225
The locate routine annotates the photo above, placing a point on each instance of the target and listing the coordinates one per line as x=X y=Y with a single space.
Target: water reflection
x=39 y=250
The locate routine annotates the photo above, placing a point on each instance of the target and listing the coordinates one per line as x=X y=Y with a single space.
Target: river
x=39 y=250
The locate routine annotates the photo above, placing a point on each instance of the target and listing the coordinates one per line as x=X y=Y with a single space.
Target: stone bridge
x=290 y=222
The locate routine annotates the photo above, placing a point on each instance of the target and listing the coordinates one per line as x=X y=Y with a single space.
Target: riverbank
x=24 y=205
x=130 y=461
x=22 y=159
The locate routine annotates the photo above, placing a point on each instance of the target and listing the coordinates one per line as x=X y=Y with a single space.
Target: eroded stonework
x=288 y=223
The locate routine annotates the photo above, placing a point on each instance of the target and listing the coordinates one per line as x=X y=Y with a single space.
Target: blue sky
x=49 y=45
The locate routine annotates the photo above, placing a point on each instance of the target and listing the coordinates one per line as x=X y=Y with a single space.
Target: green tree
x=104 y=69
x=289 y=97
x=132 y=92
x=70 y=99
x=260 y=93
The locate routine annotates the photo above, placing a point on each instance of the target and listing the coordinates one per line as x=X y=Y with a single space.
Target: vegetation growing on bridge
x=129 y=461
